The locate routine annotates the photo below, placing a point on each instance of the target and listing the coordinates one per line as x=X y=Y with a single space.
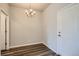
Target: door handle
x=59 y=34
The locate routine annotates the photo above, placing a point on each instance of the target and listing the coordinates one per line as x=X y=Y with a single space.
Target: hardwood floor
x=32 y=50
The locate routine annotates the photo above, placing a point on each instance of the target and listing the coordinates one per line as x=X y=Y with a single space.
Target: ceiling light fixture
x=30 y=11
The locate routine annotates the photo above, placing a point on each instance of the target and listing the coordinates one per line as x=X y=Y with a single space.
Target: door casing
x=7 y=28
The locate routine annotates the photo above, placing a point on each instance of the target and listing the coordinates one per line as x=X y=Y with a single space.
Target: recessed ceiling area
x=36 y=6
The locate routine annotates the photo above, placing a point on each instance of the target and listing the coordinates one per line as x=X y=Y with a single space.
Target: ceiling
x=58 y=6
x=39 y=6
x=36 y=6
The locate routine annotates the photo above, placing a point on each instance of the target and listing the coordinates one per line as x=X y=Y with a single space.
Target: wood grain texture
x=32 y=50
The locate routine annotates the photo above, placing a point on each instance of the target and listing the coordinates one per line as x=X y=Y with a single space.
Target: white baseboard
x=25 y=45
x=49 y=47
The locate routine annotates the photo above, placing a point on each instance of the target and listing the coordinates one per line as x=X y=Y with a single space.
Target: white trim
x=4 y=11
x=49 y=47
x=25 y=45
x=7 y=32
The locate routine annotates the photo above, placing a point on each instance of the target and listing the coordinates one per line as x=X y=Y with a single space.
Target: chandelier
x=29 y=11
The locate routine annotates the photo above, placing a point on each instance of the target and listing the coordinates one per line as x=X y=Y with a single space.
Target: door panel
x=68 y=42
x=67 y=32
x=3 y=16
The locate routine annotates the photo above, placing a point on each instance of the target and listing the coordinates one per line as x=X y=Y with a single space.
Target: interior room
x=39 y=29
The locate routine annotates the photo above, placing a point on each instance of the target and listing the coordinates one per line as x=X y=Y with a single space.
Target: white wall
x=24 y=30
x=49 y=27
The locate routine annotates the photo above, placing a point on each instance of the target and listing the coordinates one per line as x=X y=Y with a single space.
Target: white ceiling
x=58 y=6
x=36 y=6
x=39 y=6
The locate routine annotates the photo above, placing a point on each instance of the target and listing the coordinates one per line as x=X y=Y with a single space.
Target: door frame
x=7 y=21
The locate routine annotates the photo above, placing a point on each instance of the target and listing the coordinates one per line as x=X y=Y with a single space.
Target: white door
x=68 y=25
x=4 y=31
x=3 y=17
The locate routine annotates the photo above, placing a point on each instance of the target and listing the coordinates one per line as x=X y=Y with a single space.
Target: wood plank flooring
x=32 y=50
